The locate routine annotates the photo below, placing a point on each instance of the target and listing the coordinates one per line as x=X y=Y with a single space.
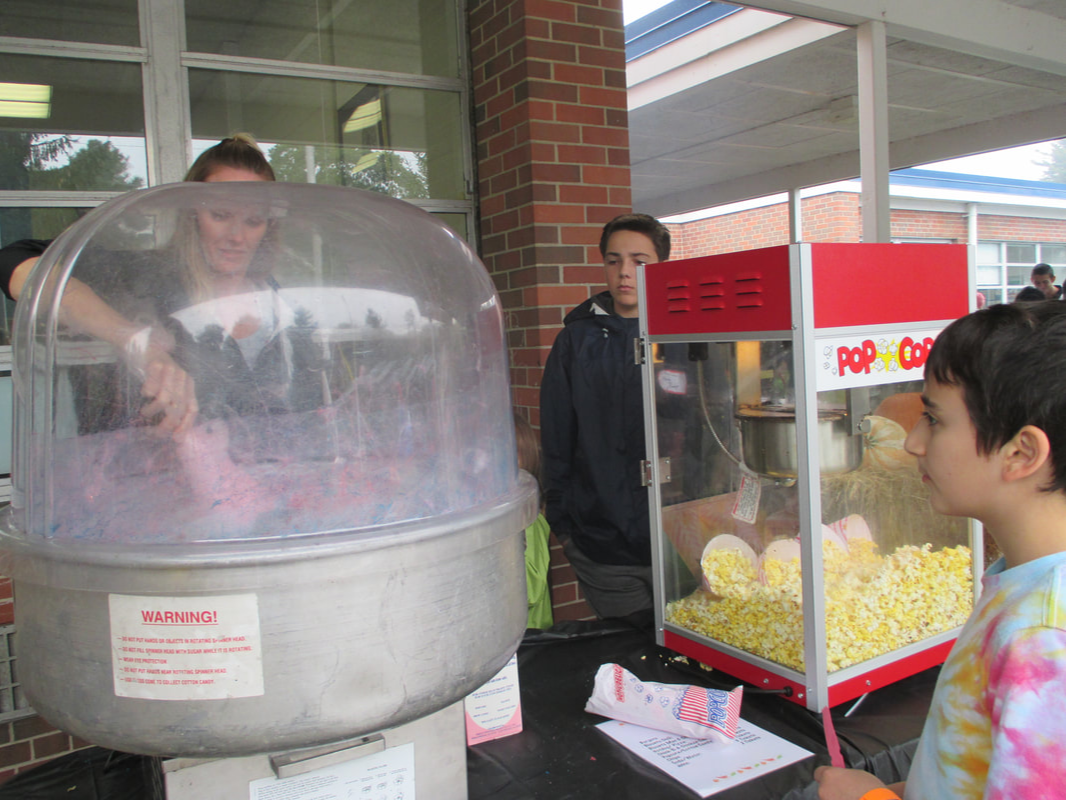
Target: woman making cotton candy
x=233 y=332
x=212 y=251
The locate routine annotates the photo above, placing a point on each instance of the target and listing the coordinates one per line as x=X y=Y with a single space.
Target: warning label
x=181 y=648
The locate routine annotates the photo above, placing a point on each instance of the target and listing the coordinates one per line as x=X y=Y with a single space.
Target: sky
x=1015 y=162
x=635 y=9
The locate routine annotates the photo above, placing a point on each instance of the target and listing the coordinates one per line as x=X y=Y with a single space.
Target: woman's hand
x=170 y=390
x=836 y=783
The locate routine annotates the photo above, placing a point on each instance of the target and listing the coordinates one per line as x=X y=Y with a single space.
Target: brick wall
x=835 y=217
x=826 y=218
x=7 y=602
x=1020 y=229
x=549 y=83
x=29 y=743
x=929 y=225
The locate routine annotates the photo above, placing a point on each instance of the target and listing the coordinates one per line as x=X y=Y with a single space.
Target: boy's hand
x=836 y=783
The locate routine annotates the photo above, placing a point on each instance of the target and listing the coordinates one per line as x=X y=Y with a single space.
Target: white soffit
x=757 y=102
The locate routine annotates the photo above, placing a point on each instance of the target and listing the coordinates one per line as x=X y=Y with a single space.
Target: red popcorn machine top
x=793 y=545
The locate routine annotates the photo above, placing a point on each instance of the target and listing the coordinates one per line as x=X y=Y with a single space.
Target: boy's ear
x=1026 y=453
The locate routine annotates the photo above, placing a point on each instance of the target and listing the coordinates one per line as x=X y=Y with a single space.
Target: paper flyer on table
x=704 y=765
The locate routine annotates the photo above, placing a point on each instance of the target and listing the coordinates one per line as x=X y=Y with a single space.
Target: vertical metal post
x=874 y=130
x=796 y=228
x=809 y=479
x=165 y=91
x=655 y=498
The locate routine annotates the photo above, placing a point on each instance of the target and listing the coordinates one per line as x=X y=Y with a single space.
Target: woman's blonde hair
x=239 y=151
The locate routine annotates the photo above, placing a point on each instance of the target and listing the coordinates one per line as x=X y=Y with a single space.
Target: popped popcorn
x=874 y=604
x=729 y=573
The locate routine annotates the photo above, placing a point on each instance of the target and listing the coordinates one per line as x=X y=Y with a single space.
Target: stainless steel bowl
x=359 y=633
x=769 y=441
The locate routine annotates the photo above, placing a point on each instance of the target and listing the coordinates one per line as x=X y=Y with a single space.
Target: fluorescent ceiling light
x=367 y=161
x=365 y=116
x=28 y=100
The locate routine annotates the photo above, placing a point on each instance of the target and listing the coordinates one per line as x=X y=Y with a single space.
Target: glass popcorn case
x=793 y=544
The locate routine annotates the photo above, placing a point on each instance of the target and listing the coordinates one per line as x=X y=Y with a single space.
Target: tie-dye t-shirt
x=997 y=726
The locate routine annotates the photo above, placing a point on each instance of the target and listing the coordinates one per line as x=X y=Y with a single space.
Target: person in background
x=167 y=387
x=538 y=596
x=593 y=432
x=1044 y=279
x=1029 y=294
x=990 y=446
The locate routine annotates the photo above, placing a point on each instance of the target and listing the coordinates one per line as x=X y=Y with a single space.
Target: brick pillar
x=549 y=84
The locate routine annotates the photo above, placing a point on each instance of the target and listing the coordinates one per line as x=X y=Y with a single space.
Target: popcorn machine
x=792 y=541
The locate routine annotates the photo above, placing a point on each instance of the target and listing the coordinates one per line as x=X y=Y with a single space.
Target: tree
x=392 y=173
x=21 y=156
x=23 y=153
x=373 y=320
x=400 y=175
x=98 y=165
x=1054 y=163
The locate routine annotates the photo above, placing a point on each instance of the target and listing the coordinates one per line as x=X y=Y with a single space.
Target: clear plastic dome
x=334 y=361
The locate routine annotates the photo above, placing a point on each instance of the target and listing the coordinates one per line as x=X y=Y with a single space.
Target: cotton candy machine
x=331 y=545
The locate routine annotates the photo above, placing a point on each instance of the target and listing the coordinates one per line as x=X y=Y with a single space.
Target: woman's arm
x=18 y=277
x=169 y=389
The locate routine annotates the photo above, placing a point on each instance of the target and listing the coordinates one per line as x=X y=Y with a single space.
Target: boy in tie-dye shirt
x=991 y=446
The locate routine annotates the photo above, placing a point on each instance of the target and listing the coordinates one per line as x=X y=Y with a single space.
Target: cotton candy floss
x=683 y=710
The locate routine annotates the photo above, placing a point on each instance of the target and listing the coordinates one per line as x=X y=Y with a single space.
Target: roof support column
x=874 y=130
x=796 y=228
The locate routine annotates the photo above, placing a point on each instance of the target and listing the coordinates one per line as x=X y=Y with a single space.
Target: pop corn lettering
x=909 y=355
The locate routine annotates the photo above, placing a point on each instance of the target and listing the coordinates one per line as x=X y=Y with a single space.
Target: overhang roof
x=728 y=103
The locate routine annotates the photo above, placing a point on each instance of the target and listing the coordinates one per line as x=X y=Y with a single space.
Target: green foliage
x=400 y=175
x=42 y=151
x=98 y=165
x=21 y=153
x=34 y=161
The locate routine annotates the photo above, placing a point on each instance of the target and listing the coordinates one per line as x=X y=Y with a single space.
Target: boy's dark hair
x=640 y=223
x=1009 y=362
x=1042 y=269
x=1029 y=294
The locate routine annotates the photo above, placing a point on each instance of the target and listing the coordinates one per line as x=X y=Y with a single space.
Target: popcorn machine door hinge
x=664 y=472
x=639 y=351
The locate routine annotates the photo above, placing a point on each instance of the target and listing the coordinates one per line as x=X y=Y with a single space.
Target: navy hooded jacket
x=593 y=436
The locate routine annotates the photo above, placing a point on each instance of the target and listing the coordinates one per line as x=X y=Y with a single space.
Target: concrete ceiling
x=765 y=98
